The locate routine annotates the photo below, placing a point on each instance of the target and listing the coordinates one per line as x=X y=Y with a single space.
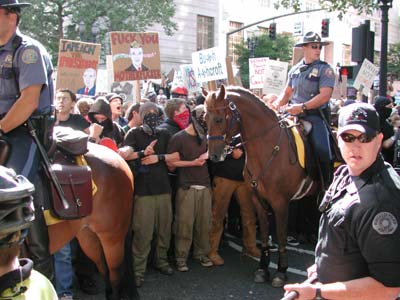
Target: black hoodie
x=110 y=129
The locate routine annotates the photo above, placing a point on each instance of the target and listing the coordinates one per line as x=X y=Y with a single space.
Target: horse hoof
x=260 y=276
x=279 y=280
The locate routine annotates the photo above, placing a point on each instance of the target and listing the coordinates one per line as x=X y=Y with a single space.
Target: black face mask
x=150 y=122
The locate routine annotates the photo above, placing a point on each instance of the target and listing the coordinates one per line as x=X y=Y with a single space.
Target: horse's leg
x=281 y=211
x=262 y=274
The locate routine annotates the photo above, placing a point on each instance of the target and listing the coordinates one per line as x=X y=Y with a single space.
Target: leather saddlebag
x=76 y=184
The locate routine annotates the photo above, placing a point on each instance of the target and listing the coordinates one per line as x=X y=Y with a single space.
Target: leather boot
x=38 y=245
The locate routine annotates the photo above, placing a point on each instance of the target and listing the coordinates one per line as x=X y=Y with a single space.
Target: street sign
x=298 y=29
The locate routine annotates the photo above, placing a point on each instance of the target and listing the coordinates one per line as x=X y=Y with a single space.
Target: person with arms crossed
x=357 y=255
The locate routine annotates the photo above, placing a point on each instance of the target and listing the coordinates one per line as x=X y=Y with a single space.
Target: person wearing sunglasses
x=357 y=255
x=310 y=85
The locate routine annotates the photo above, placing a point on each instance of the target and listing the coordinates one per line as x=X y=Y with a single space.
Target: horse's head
x=222 y=123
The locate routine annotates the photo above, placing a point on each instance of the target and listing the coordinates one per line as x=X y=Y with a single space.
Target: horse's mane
x=246 y=95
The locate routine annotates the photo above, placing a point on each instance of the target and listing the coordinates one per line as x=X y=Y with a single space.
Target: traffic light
x=325 y=28
x=272 y=31
x=346 y=71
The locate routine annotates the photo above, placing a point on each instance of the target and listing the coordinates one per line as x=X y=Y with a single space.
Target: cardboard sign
x=209 y=64
x=256 y=72
x=275 y=76
x=135 y=55
x=189 y=78
x=77 y=67
x=365 y=77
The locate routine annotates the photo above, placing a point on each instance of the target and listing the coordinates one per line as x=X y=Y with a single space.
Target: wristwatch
x=318 y=295
x=1 y=130
x=304 y=107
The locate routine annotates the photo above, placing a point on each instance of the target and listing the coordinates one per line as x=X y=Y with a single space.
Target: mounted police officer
x=310 y=87
x=26 y=92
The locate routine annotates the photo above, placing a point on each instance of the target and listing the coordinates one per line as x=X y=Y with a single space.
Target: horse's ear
x=221 y=95
x=204 y=92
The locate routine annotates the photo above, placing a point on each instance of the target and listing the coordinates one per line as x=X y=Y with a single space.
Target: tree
x=393 y=61
x=341 y=6
x=279 y=48
x=49 y=21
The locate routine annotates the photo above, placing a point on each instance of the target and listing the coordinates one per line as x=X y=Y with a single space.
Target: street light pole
x=384 y=5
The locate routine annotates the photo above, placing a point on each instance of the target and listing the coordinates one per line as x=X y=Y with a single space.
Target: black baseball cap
x=359 y=116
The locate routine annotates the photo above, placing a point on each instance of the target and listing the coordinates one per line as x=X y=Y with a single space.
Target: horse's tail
x=128 y=275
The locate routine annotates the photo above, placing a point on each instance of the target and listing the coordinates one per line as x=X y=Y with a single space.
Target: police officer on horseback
x=26 y=92
x=310 y=87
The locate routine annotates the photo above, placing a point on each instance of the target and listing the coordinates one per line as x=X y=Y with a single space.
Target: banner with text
x=275 y=76
x=365 y=77
x=77 y=67
x=256 y=72
x=209 y=65
x=136 y=55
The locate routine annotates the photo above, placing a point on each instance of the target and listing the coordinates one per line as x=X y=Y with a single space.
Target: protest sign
x=365 y=77
x=256 y=72
x=275 y=76
x=77 y=66
x=136 y=55
x=209 y=64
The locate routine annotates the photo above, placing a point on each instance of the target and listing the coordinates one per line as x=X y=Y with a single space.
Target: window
x=346 y=55
x=234 y=39
x=205 y=32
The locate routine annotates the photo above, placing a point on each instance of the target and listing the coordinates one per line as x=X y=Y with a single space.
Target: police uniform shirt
x=32 y=65
x=307 y=79
x=359 y=229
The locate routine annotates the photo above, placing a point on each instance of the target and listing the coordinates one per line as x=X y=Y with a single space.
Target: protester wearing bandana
x=145 y=150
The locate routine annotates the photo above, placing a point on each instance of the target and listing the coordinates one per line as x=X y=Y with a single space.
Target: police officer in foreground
x=18 y=280
x=310 y=87
x=26 y=91
x=357 y=255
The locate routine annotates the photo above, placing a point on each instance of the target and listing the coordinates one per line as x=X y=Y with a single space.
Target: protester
x=116 y=102
x=357 y=255
x=193 y=199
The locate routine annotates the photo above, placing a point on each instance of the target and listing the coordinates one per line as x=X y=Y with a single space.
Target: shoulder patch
x=385 y=223
x=329 y=72
x=30 y=56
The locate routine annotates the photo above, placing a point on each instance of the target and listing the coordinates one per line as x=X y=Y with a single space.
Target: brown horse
x=103 y=235
x=272 y=168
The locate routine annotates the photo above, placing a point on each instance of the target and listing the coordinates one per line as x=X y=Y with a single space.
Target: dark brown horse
x=272 y=168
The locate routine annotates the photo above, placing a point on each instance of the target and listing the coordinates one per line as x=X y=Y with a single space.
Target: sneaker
x=205 y=262
x=273 y=247
x=65 y=297
x=292 y=241
x=139 y=280
x=181 y=266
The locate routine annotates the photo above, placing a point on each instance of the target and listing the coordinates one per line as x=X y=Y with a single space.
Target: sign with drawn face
x=189 y=78
x=135 y=55
x=77 y=67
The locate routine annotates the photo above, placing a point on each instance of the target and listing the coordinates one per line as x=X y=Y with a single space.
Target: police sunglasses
x=316 y=47
x=362 y=138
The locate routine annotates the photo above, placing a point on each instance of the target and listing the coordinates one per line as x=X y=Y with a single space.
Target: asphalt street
x=234 y=280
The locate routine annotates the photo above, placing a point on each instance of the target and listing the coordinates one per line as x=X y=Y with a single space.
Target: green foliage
x=279 y=48
x=393 y=61
x=341 y=6
x=48 y=21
